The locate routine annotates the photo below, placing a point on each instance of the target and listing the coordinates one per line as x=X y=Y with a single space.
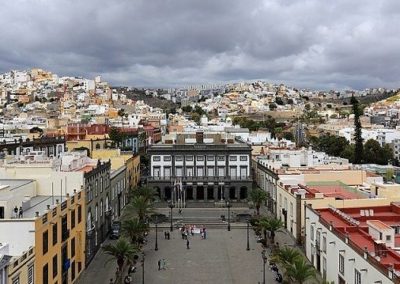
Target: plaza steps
x=202 y=204
x=208 y=222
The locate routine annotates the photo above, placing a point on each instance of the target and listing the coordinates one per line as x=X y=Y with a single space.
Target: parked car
x=115 y=230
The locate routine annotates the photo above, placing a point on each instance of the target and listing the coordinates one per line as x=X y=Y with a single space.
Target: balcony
x=199 y=179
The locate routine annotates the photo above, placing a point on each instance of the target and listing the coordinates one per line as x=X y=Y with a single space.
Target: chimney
x=199 y=137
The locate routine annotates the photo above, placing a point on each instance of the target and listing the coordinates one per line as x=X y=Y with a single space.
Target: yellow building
x=60 y=241
x=119 y=159
x=21 y=269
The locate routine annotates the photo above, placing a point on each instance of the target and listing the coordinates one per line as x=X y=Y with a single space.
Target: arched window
x=96 y=212
x=101 y=208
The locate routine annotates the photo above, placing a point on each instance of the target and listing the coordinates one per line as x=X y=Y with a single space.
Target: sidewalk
x=99 y=271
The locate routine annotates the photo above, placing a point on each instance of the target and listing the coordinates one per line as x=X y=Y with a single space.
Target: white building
x=354 y=245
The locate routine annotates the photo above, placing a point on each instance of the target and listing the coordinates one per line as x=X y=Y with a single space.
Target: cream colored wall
x=45 y=177
x=117 y=160
x=349 y=177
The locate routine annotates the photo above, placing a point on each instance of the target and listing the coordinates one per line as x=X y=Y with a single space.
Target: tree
x=121 y=112
x=300 y=271
x=142 y=207
x=116 y=136
x=134 y=229
x=273 y=226
x=122 y=251
x=389 y=174
x=279 y=101
x=358 y=151
x=288 y=135
x=187 y=108
x=348 y=153
x=286 y=255
x=372 y=151
x=258 y=196
x=149 y=193
x=307 y=106
x=272 y=106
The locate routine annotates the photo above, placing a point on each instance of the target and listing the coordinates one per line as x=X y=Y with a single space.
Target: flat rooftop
x=13 y=184
x=39 y=204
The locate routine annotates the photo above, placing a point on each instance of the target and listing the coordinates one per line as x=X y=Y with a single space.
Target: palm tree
x=273 y=226
x=286 y=255
x=142 y=206
x=122 y=251
x=149 y=193
x=258 y=196
x=263 y=225
x=300 y=271
x=134 y=229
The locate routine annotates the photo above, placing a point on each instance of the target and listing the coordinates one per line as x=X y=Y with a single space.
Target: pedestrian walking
x=159 y=264
x=165 y=235
x=187 y=244
x=180 y=211
x=111 y=281
x=21 y=213
x=163 y=264
x=168 y=236
x=127 y=279
x=204 y=233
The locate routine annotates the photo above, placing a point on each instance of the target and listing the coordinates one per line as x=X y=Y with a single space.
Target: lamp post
x=156 y=246
x=248 y=243
x=143 y=267
x=171 y=206
x=229 y=205
x=264 y=258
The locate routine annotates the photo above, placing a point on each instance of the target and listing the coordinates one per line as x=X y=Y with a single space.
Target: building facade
x=204 y=171
x=98 y=207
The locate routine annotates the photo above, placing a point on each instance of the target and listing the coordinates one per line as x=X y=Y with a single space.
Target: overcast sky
x=320 y=44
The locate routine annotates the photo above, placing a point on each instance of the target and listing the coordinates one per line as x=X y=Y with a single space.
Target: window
x=232 y=158
x=45 y=241
x=72 y=219
x=243 y=158
x=55 y=233
x=167 y=171
x=311 y=232
x=156 y=158
x=45 y=274
x=73 y=270
x=79 y=214
x=156 y=171
x=210 y=158
x=96 y=188
x=72 y=247
x=178 y=171
x=221 y=158
x=189 y=171
x=101 y=208
x=16 y=280
x=200 y=158
x=388 y=238
x=189 y=158
x=324 y=244
x=167 y=158
x=55 y=266
x=324 y=268
x=291 y=209
x=200 y=171
x=96 y=212
x=341 y=264
x=31 y=274
x=221 y=171
x=179 y=158
x=357 y=277
x=233 y=172
x=210 y=171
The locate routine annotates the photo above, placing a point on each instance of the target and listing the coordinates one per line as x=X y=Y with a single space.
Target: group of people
x=18 y=213
x=192 y=229
x=167 y=236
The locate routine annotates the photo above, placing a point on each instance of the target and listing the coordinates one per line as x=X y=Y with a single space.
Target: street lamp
x=229 y=205
x=156 y=222
x=264 y=258
x=143 y=267
x=248 y=243
x=171 y=206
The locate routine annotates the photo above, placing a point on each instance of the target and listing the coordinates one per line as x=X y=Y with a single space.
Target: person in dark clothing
x=187 y=244
x=159 y=264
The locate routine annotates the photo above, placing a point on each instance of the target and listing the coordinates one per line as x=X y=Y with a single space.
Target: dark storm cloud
x=309 y=43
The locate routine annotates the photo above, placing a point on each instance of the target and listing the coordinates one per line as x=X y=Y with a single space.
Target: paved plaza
x=222 y=258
